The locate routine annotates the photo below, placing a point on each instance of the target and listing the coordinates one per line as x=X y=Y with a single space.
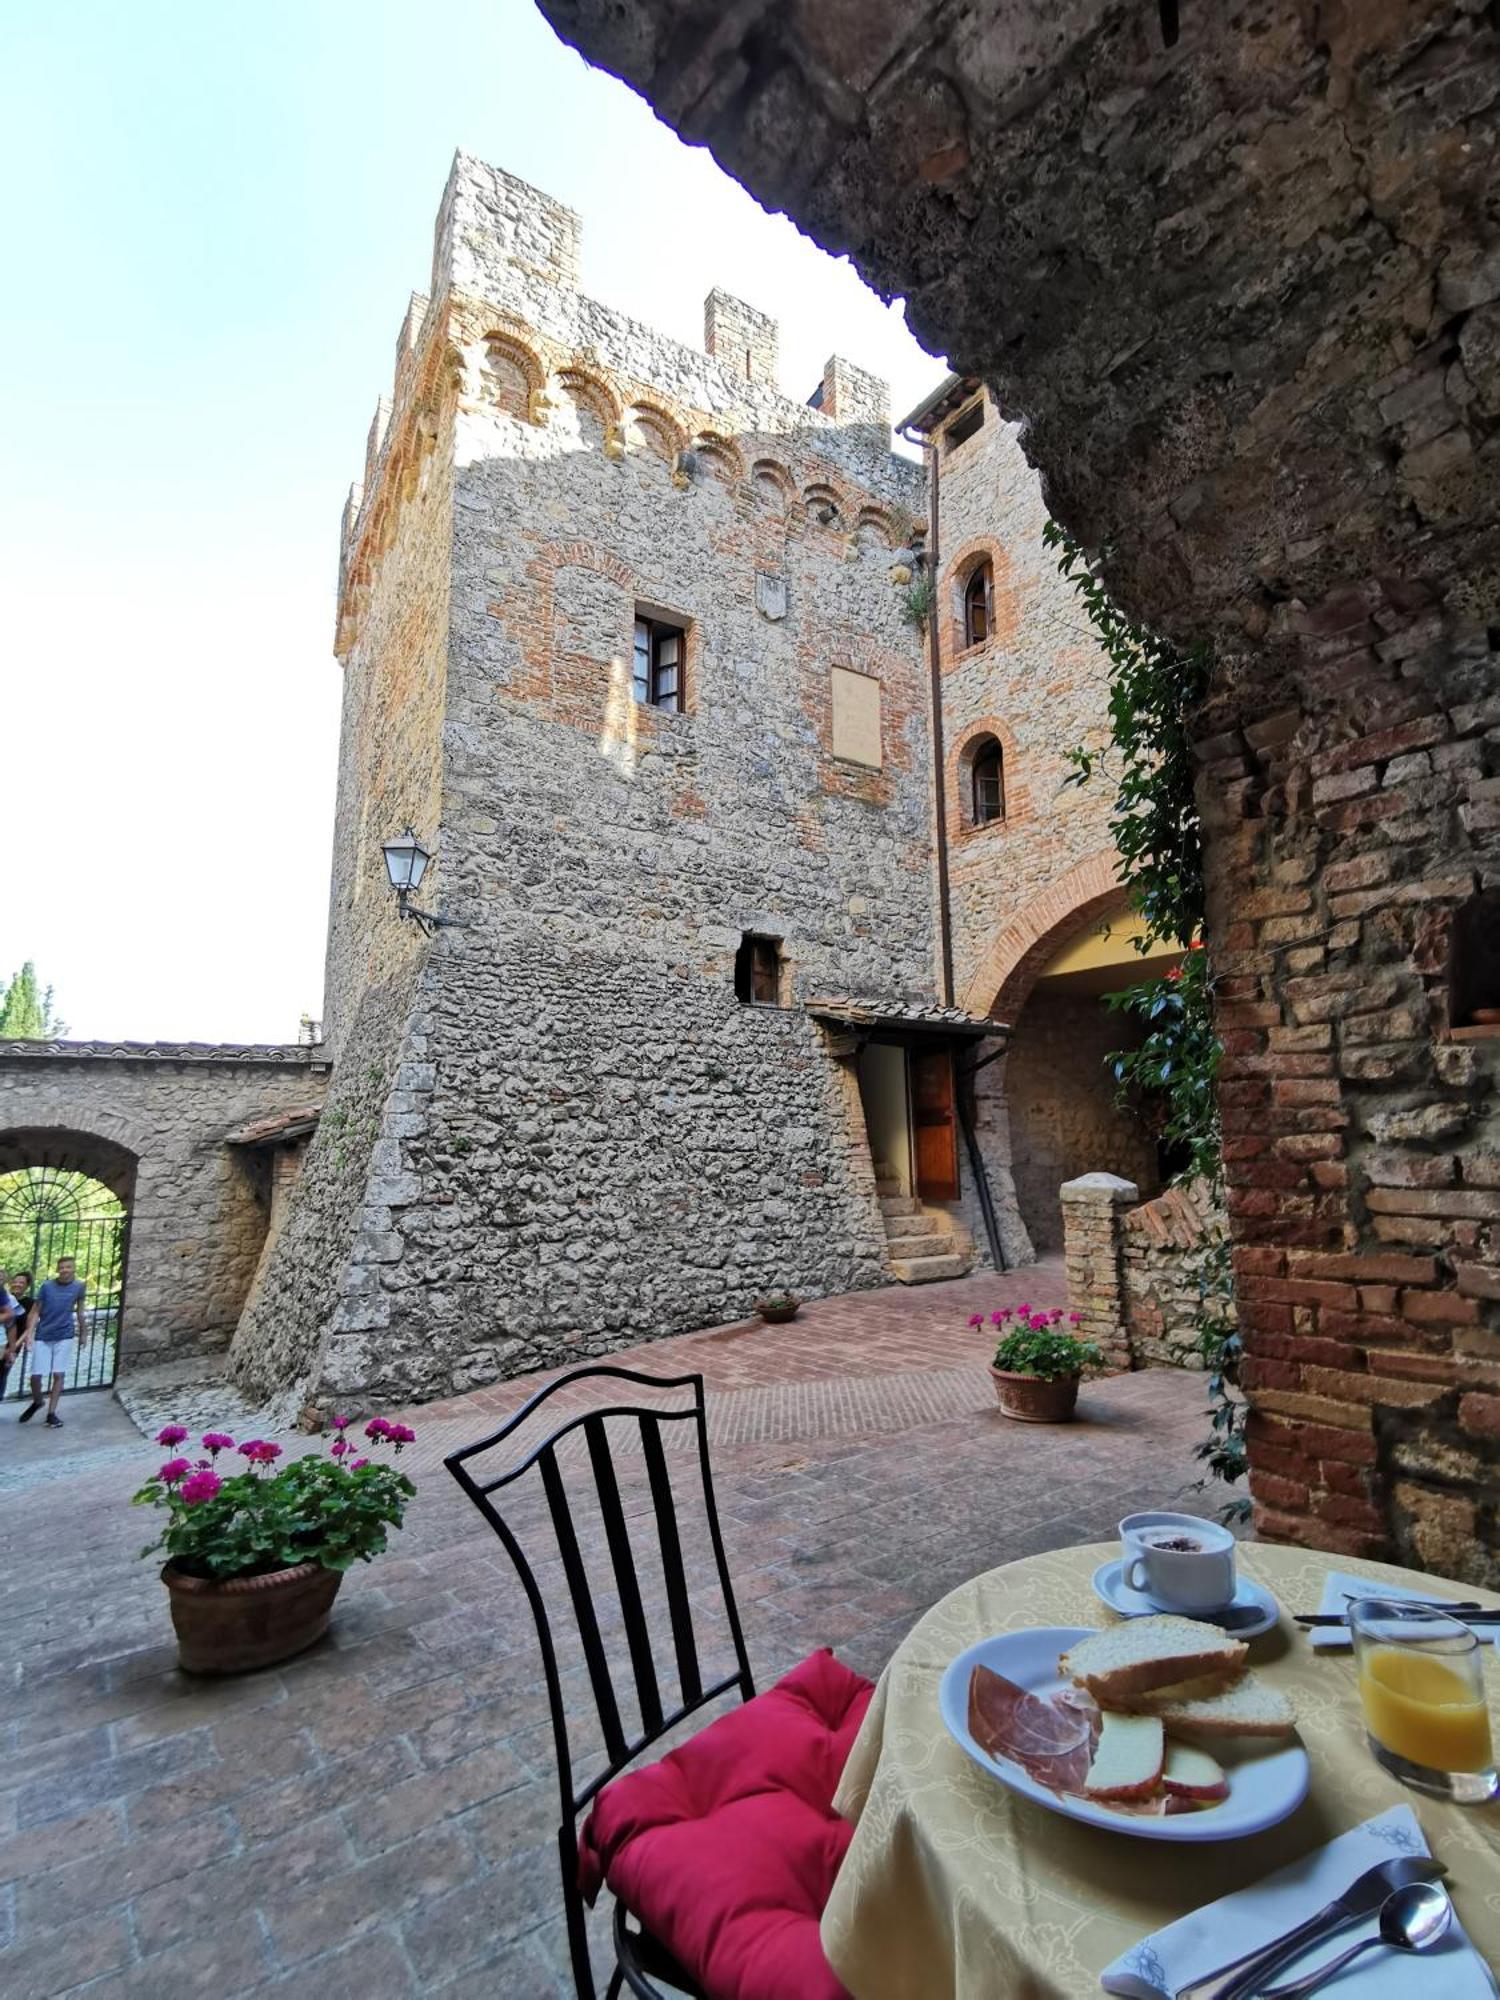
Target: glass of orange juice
x=1421 y=1687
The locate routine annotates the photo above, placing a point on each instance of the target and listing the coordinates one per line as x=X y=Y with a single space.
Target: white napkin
x=1333 y=1638
x=1221 y=1932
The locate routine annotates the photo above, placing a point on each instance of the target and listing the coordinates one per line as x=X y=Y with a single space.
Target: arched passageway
x=1066 y=1117
x=68 y=1194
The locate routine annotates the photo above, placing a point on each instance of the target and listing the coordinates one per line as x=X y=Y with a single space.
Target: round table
x=955 y=1885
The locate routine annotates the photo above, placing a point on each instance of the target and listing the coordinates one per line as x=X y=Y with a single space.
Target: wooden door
x=934 y=1121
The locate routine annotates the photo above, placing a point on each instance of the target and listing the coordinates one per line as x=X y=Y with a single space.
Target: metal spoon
x=1411 y=1919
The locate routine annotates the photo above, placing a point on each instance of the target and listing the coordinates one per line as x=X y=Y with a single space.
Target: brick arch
x=1050 y=921
x=500 y=345
x=1018 y=804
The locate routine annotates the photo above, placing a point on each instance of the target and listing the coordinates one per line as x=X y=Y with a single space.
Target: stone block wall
x=1133 y=1267
x=1063 y=1115
x=151 y=1121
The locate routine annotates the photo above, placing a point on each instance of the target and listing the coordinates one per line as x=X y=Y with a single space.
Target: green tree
x=27 y=1014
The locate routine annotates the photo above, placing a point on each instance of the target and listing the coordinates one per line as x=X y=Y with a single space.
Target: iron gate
x=47 y=1213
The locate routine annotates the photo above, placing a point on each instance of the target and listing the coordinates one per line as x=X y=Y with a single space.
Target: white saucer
x=1111 y=1587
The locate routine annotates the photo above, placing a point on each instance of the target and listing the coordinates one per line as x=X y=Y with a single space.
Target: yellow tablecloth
x=956 y=1886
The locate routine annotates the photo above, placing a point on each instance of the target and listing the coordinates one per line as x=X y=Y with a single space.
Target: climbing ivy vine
x=1154 y=687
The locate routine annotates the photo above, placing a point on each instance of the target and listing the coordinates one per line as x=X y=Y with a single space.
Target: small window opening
x=659 y=658
x=1474 y=970
x=964 y=425
x=987 y=781
x=757 y=971
x=979 y=605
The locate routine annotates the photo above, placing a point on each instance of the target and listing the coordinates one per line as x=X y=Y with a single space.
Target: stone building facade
x=692 y=1034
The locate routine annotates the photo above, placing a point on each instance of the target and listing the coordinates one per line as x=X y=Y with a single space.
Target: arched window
x=987 y=782
x=979 y=605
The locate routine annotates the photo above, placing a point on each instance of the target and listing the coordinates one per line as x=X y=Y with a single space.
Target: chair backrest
x=654 y=1532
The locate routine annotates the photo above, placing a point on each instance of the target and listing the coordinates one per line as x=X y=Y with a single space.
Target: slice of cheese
x=1192 y=1774
x=1127 y=1759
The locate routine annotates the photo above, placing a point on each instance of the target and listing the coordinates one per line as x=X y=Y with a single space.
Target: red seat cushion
x=726 y=1850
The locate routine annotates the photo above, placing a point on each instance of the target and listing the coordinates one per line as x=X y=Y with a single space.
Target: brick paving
x=378 y=1817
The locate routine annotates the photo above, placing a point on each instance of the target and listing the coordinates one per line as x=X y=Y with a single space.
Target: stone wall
x=1063 y=1115
x=1134 y=1267
x=1243 y=283
x=151 y=1121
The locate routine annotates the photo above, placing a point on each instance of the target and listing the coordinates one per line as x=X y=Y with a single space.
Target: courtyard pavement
x=378 y=1817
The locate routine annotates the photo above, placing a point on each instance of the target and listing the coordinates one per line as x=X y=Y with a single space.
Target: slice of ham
x=1052 y=1741
x=1052 y=1738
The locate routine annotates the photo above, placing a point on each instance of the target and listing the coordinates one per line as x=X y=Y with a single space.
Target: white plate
x=1110 y=1586
x=1264 y=1784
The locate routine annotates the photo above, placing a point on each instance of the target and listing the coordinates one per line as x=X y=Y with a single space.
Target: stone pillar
x=1092 y=1207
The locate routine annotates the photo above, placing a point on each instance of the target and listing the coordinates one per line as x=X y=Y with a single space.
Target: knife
x=1464 y=1614
x=1361 y=1899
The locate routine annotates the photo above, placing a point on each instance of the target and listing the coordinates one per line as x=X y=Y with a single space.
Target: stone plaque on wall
x=770 y=595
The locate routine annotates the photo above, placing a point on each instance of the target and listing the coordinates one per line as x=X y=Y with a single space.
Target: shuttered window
x=979 y=606
x=757 y=971
x=658 y=664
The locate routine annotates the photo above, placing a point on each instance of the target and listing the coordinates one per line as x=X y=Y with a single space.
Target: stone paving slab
x=379 y=1816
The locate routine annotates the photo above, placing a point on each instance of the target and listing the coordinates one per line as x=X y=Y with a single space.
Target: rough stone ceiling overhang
x=1189 y=268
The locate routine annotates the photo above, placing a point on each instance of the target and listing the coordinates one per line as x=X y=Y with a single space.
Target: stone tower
x=620 y=641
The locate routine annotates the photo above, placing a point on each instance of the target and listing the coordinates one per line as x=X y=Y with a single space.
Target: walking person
x=12 y=1322
x=54 y=1326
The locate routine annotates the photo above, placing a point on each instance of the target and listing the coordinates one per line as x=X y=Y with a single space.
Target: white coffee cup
x=1180 y=1562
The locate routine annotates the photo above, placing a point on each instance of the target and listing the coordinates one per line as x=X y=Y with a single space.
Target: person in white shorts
x=53 y=1328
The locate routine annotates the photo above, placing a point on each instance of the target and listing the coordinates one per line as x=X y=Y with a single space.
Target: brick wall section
x=1362 y=1141
x=198 y=1208
x=1091 y=1206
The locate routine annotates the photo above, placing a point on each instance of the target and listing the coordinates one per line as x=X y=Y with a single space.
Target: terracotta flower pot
x=1030 y=1400
x=778 y=1311
x=249 y=1621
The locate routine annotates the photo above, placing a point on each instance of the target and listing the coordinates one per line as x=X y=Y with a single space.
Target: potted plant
x=255 y=1556
x=778 y=1307
x=1037 y=1366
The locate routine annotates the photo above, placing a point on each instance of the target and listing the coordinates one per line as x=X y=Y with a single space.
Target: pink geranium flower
x=173 y=1470
x=201 y=1486
x=1075 y=1319
x=342 y=1423
x=171 y=1434
x=216 y=1441
x=339 y=1447
x=356 y=1463
x=377 y=1427
x=259 y=1452
x=401 y=1434
x=976 y=1319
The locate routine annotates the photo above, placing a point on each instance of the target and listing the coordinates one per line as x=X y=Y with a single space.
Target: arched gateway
x=157 y=1167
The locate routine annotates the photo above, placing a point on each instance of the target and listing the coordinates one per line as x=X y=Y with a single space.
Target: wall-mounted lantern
x=406 y=862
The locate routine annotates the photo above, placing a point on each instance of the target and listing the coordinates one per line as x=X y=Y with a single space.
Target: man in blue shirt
x=53 y=1326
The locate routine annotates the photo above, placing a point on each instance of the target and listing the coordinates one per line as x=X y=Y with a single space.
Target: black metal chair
x=638 y=1957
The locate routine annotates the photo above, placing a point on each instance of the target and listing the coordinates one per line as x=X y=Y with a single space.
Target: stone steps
x=922 y=1242
x=927 y=1270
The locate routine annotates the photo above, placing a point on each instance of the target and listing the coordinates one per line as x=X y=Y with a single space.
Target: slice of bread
x=1127 y=1759
x=1252 y=1707
x=1146 y=1653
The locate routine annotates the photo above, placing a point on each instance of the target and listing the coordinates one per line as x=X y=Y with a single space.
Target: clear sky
x=213 y=216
